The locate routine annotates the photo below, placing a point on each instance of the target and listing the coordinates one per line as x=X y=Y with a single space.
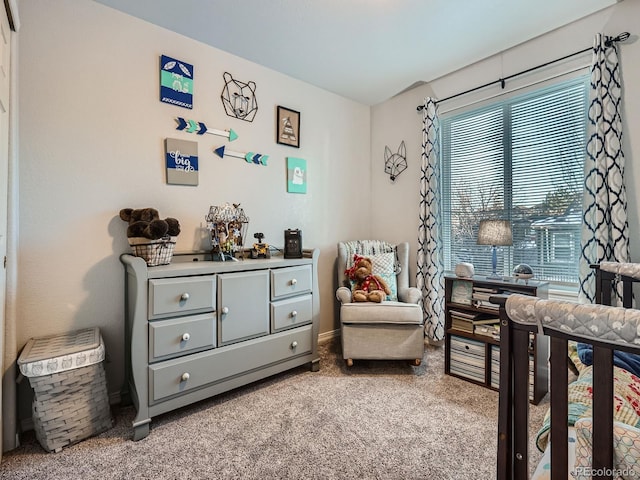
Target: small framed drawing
x=288 y=127
x=296 y=175
x=462 y=292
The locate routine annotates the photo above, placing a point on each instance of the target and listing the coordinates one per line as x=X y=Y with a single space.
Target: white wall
x=397 y=119
x=91 y=140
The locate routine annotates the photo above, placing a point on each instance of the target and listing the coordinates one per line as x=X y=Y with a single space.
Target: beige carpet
x=375 y=420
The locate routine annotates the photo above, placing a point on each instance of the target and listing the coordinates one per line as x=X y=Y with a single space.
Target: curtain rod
x=608 y=42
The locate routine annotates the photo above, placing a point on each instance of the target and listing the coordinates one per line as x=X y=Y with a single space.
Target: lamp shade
x=495 y=232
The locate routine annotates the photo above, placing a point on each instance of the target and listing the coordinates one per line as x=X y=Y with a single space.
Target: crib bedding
x=626 y=453
x=628 y=361
x=626 y=423
x=543 y=469
x=626 y=388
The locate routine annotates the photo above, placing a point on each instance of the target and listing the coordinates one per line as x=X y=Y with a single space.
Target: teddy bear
x=146 y=222
x=367 y=287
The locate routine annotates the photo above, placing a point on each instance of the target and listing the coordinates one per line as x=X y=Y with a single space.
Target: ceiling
x=365 y=50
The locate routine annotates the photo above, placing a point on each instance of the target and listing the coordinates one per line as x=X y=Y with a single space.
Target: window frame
x=505 y=103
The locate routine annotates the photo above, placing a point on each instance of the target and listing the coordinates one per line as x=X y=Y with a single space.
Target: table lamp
x=496 y=233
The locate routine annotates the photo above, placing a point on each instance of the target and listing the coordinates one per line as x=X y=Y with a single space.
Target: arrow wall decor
x=199 y=128
x=257 y=158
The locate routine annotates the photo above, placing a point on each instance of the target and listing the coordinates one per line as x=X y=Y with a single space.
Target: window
x=521 y=159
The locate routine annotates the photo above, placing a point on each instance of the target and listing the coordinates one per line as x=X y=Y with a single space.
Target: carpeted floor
x=375 y=420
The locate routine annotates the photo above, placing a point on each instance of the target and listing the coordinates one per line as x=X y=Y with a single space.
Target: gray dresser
x=197 y=328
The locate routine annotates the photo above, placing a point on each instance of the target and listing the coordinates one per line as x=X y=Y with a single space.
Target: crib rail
x=513 y=413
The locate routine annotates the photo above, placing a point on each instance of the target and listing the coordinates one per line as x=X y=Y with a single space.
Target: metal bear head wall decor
x=395 y=163
x=239 y=98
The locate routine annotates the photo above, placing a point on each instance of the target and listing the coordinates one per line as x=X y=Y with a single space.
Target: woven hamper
x=66 y=373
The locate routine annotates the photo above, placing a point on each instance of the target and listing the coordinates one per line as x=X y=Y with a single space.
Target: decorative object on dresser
x=391 y=330
x=496 y=233
x=292 y=243
x=228 y=227
x=259 y=249
x=472 y=333
x=150 y=237
x=198 y=328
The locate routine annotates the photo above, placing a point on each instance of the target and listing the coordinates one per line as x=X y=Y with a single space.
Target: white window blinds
x=519 y=159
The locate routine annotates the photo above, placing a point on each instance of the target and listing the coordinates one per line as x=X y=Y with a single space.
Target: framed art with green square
x=296 y=175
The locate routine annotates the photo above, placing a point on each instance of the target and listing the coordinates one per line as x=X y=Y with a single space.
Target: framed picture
x=288 y=127
x=461 y=292
x=296 y=175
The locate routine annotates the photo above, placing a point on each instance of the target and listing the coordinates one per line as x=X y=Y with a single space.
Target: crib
x=607 y=329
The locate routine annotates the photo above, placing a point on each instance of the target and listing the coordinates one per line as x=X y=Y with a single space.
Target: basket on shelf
x=154 y=252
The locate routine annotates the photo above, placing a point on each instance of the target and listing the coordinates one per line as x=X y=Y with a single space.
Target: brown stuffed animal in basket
x=146 y=223
x=367 y=287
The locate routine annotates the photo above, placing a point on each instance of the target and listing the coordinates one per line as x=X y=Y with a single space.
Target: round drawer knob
x=294 y=314
x=185 y=376
x=294 y=344
x=184 y=296
x=225 y=310
x=186 y=337
x=293 y=281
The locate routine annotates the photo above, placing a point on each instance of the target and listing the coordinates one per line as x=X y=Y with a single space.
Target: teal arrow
x=193 y=126
x=201 y=128
x=256 y=158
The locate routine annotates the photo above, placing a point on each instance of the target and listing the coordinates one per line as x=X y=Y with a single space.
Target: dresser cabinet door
x=243 y=306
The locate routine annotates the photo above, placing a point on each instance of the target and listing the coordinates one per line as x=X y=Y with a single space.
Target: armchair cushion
x=384 y=265
x=343 y=294
x=385 y=312
x=409 y=295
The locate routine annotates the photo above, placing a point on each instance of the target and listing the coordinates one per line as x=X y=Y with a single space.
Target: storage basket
x=154 y=252
x=70 y=400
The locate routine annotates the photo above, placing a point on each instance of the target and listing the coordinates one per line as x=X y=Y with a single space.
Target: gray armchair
x=391 y=330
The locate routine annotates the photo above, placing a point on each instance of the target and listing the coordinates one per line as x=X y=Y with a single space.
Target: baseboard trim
x=328 y=336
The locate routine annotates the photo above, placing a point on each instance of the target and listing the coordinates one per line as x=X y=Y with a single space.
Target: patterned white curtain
x=605 y=230
x=430 y=275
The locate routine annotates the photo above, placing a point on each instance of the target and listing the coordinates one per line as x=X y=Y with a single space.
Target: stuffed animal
x=146 y=222
x=367 y=287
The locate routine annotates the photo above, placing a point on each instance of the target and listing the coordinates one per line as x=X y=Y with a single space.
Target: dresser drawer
x=179 y=336
x=184 y=374
x=184 y=295
x=291 y=312
x=290 y=281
